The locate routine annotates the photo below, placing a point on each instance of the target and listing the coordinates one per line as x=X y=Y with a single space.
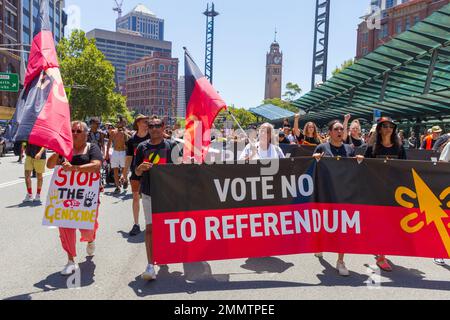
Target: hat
x=384 y=120
x=436 y=129
x=139 y=117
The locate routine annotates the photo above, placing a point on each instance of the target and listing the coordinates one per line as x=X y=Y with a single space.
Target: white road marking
x=12 y=183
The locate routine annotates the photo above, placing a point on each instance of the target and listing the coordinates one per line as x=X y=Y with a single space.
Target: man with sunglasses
x=155 y=151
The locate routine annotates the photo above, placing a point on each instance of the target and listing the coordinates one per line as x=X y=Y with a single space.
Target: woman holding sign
x=87 y=158
x=336 y=148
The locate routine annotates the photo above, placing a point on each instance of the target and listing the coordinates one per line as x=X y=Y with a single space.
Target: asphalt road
x=31 y=258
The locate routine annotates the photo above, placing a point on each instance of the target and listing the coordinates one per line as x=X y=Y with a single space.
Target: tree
x=243 y=116
x=345 y=65
x=292 y=91
x=90 y=79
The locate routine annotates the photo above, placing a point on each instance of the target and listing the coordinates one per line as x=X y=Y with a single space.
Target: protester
x=412 y=141
x=95 y=136
x=354 y=138
x=430 y=140
x=309 y=136
x=441 y=142
x=141 y=135
x=335 y=148
x=265 y=147
x=385 y=144
x=86 y=158
x=118 y=139
x=282 y=138
x=288 y=134
x=34 y=161
x=156 y=151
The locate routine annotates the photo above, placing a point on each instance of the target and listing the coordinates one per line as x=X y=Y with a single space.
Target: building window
x=398 y=27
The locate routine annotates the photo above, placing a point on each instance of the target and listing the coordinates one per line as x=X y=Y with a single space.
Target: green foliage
x=293 y=90
x=345 y=65
x=90 y=79
x=243 y=116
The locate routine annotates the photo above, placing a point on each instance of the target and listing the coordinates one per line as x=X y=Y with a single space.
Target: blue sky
x=244 y=32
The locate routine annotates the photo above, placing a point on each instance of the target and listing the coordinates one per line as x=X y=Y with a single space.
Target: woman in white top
x=265 y=148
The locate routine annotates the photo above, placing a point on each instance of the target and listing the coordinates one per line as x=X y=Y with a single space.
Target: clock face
x=277 y=60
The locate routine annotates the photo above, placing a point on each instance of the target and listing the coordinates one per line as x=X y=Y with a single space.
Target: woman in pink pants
x=86 y=158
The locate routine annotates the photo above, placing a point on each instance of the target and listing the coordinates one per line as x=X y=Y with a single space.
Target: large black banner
x=299 y=205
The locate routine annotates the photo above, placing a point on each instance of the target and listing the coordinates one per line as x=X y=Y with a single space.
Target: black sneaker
x=117 y=191
x=125 y=185
x=135 y=231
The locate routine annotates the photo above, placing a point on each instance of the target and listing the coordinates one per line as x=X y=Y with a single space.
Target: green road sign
x=9 y=82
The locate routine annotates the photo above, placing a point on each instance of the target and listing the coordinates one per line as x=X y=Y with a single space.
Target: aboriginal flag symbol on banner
x=203 y=106
x=43 y=114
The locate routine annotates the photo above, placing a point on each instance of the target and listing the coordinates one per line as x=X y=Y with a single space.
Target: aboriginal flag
x=203 y=106
x=43 y=114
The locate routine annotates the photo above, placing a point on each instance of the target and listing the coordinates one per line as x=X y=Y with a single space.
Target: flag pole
x=237 y=122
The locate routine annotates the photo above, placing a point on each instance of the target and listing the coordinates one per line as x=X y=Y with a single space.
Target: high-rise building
x=274 y=72
x=121 y=48
x=143 y=21
x=396 y=17
x=18 y=20
x=181 y=105
x=151 y=85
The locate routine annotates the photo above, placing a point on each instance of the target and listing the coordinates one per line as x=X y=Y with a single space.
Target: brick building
x=151 y=85
x=394 y=20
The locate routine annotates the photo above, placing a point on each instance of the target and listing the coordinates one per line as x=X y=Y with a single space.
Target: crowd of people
x=130 y=153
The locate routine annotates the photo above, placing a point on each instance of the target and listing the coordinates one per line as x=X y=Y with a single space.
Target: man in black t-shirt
x=141 y=135
x=156 y=151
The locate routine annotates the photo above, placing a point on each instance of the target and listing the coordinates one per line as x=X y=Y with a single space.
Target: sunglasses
x=387 y=126
x=155 y=126
x=338 y=129
x=77 y=131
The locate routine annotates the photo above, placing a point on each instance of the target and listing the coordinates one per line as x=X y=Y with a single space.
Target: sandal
x=384 y=265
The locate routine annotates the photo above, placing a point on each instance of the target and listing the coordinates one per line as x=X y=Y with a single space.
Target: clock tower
x=274 y=68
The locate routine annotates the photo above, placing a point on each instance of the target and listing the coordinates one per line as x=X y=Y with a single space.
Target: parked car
x=6 y=145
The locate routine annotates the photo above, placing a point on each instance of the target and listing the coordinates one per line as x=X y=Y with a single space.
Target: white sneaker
x=69 y=268
x=318 y=255
x=28 y=198
x=343 y=271
x=149 y=273
x=90 y=249
x=439 y=262
x=37 y=198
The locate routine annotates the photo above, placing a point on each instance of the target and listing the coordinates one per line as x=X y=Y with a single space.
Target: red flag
x=203 y=106
x=43 y=114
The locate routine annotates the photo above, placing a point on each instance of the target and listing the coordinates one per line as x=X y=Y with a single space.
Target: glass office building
x=143 y=21
x=121 y=48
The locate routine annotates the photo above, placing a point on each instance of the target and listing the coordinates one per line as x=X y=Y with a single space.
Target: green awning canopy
x=407 y=78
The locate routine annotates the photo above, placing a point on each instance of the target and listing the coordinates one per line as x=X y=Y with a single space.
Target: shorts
x=134 y=176
x=147 y=205
x=118 y=159
x=36 y=165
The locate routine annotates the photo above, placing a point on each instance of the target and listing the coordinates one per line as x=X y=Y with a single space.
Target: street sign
x=9 y=82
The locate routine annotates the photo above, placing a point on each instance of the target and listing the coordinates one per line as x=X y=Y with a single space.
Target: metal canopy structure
x=407 y=78
x=271 y=112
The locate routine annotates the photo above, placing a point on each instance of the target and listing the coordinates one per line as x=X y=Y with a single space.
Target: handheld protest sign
x=72 y=200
